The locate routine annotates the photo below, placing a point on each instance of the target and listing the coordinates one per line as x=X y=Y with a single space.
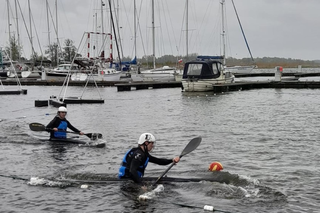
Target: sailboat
x=242 y=69
x=202 y=74
x=19 y=90
x=164 y=73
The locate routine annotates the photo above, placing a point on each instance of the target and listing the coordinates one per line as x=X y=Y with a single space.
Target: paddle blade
x=94 y=136
x=37 y=127
x=192 y=145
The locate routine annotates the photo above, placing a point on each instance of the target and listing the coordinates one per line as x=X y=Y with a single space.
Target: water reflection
x=58 y=151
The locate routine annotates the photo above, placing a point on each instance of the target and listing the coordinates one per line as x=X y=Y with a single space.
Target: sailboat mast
x=47 y=7
x=8 y=8
x=135 y=28
x=153 y=38
x=223 y=33
x=31 y=40
x=187 y=25
x=57 y=55
x=18 y=34
x=102 y=29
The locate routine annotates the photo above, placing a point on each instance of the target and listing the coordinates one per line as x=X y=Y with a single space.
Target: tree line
x=53 y=54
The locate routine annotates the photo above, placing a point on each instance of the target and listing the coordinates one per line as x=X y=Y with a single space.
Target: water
x=267 y=141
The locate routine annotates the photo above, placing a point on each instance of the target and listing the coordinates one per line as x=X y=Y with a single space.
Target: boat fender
x=208 y=208
x=84 y=186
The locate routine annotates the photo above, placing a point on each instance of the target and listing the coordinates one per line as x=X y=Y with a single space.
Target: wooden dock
x=39 y=82
x=14 y=92
x=147 y=85
x=218 y=88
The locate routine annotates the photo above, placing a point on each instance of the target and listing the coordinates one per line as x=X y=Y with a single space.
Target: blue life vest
x=124 y=166
x=61 y=134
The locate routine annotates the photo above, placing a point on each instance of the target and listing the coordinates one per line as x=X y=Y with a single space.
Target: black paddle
x=192 y=145
x=41 y=127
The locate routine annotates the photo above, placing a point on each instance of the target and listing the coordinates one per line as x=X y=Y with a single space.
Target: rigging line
x=55 y=30
x=166 y=3
x=118 y=27
x=199 y=29
x=115 y=35
x=25 y=25
x=64 y=12
x=172 y=28
x=148 y=5
x=245 y=39
x=181 y=29
x=35 y=29
x=160 y=38
x=14 y=69
x=139 y=27
x=162 y=49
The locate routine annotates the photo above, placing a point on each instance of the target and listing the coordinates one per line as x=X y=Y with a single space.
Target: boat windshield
x=194 y=69
x=215 y=68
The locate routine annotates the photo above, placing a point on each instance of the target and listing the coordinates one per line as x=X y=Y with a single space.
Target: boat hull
x=202 y=85
x=75 y=140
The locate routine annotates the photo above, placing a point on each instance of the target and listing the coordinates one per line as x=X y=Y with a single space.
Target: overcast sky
x=273 y=28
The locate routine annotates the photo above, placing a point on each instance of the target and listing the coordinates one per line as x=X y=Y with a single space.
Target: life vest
x=61 y=134
x=124 y=169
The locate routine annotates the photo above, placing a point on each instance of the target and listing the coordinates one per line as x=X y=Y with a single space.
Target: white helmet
x=146 y=137
x=62 y=109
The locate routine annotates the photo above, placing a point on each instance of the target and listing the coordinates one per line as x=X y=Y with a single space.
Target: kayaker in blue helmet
x=58 y=126
x=136 y=159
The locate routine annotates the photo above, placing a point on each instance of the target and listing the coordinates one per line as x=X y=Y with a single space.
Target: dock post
x=278 y=73
x=43 y=74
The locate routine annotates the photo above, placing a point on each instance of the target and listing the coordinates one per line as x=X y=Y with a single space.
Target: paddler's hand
x=55 y=129
x=81 y=133
x=176 y=159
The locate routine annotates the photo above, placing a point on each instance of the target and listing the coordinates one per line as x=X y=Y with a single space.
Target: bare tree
x=14 y=49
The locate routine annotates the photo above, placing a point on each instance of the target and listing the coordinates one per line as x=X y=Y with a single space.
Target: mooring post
x=43 y=74
x=278 y=73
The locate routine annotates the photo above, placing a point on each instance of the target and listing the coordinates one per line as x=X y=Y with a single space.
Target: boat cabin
x=66 y=67
x=203 y=68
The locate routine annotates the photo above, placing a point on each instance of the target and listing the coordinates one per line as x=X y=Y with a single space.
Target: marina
x=218 y=127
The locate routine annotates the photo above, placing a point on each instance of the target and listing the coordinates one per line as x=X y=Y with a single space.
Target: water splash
x=37 y=181
x=152 y=194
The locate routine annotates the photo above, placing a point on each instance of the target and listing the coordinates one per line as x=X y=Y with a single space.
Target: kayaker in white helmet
x=58 y=126
x=136 y=159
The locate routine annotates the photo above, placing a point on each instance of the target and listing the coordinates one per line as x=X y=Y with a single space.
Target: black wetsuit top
x=55 y=123
x=135 y=161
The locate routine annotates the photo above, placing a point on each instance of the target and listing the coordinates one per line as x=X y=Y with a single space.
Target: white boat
x=103 y=75
x=62 y=70
x=241 y=69
x=31 y=74
x=205 y=72
x=202 y=74
x=164 y=74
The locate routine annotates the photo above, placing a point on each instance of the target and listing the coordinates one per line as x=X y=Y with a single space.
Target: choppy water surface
x=267 y=141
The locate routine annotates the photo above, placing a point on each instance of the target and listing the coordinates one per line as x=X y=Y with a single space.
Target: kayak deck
x=75 y=140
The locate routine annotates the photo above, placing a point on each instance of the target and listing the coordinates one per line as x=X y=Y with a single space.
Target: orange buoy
x=215 y=166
